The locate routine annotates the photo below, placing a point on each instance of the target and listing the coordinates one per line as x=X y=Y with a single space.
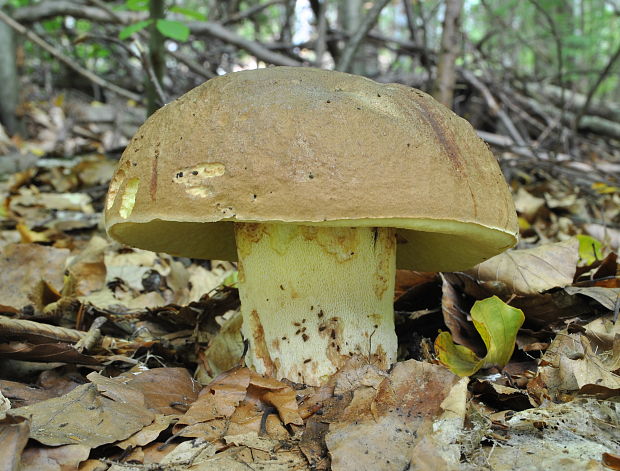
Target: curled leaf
x=498 y=324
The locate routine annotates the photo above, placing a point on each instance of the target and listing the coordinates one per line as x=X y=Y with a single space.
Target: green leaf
x=498 y=324
x=193 y=14
x=137 y=5
x=460 y=360
x=173 y=29
x=590 y=249
x=134 y=28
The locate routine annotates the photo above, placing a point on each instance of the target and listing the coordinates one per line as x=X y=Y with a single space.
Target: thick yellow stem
x=311 y=296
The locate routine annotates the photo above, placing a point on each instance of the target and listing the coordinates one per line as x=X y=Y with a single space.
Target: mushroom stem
x=312 y=296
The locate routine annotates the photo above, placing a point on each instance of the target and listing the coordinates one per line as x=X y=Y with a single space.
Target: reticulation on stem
x=312 y=296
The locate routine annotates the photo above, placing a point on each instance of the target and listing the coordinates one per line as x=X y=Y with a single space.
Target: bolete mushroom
x=320 y=184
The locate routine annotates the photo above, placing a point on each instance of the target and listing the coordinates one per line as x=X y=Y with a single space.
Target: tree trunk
x=443 y=88
x=9 y=91
x=350 y=17
x=156 y=56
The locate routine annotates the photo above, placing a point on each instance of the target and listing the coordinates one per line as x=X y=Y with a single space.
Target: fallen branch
x=494 y=106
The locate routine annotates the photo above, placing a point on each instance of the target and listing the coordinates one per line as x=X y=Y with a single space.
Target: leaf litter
x=162 y=382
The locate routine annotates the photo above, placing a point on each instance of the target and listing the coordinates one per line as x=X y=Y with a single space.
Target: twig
x=191 y=65
x=602 y=76
x=559 y=54
x=344 y=63
x=249 y=12
x=256 y=49
x=148 y=67
x=65 y=60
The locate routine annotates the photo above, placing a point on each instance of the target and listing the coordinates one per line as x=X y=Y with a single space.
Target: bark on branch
x=65 y=60
x=49 y=9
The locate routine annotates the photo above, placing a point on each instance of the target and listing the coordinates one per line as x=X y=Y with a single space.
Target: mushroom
x=320 y=184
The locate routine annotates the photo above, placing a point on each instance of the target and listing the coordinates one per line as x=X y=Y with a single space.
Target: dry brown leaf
x=13 y=436
x=24 y=266
x=83 y=417
x=527 y=205
x=87 y=270
x=379 y=428
x=117 y=391
x=608 y=297
x=220 y=398
x=567 y=436
x=23 y=394
x=243 y=458
x=46 y=352
x=226 y=348
x=163 y=388
x=571 y=364
x=277 y=394
x=455 y=316
x=59 y=458
x=530 y=271
x=148 y=433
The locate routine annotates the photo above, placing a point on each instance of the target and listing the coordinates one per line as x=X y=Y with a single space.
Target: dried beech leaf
x=22 y=268
x=13 y=437
x=380 y=429
x=531 y=271
x=164 y=387
x=608 y=297
x=226 y=348
x=279 y=395
x=46 y=352
x=83 y=417
x=61 y=458
x=220 y=398
x=148 y=433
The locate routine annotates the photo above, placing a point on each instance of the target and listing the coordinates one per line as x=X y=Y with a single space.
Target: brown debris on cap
x=316 y=147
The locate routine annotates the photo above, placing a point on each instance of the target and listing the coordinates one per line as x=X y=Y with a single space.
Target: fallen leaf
x=530 y=271
x=164 y=389
x=13 y=436
x=219 y=399
x=498 y=324
x=51 y=459
x=21 y=270
x=608 y=297
x=568 y=436
x=69 y=419
x=590 y=249
x=226 y=348
x=46 y=352
x=403 y=409
x=147 y=434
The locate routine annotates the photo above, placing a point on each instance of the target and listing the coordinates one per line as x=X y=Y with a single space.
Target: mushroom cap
x=309 y=146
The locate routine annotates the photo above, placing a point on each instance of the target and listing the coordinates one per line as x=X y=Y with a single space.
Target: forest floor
x=120 y=359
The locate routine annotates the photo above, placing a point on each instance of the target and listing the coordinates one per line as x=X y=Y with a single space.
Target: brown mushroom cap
x=309 y=146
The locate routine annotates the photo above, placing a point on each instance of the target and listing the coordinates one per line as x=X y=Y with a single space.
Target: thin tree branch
x=65 y=60
x=494 y=106
x=344 y=63
x=49 y=9
x=261 y=52
x=602 y=76
x=249 y=12
x=191 y=65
